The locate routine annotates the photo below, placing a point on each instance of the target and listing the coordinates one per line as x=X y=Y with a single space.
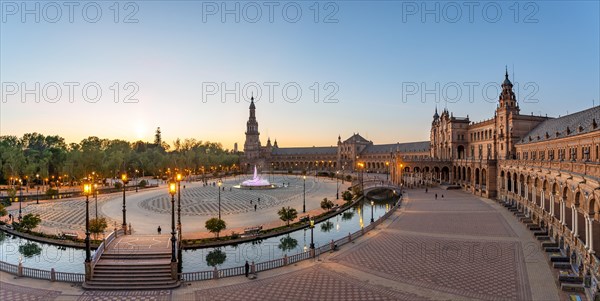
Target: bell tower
x=507 y=108
x=252 y=144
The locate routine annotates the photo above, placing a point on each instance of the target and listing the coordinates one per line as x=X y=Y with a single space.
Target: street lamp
x=178 y=178
x=87 y=189
x=20 y=198
x=96 y=197
x=136 y=180
x=37 y=185
x=219 y=186
x=124 y=179
x=304 y=196
x=387 y=175
x=312 y=227
x=337 y=185
x=372 y=205
x=172 y=191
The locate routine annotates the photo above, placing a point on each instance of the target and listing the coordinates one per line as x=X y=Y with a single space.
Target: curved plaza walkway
x=459 y=247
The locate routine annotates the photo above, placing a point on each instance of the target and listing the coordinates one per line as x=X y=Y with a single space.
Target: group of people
x=436 y=195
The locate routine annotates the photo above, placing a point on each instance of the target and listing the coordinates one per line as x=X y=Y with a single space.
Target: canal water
x=65 y=259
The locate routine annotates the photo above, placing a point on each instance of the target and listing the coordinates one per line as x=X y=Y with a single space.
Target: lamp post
x=387 y=175
x=87 y=188
x=20 y=199
x=136 y=180
x=312 y=227
x=304 y=195
x=172 y=191
x=37 y=185
x=337 y=185
x=219 y=186
x=124 y=179
x=372 y=205
x=96 y=197
x=178 y=178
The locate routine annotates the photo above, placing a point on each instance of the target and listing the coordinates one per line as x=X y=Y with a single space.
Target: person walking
x=426 y=190
x=247 y=268
x=254 y=207
x=436 y=196
x=159 y=230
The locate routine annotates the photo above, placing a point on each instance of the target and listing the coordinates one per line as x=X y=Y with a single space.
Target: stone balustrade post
x=52 y=275
x=215 y=273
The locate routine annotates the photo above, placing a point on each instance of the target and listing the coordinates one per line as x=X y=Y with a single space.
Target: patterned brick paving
x=163 y=295
x=11 y=292
x=314 y=283
x=487 y=223
x=487 y=271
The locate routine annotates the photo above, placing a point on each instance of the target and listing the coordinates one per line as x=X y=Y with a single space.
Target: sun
x=140 y=129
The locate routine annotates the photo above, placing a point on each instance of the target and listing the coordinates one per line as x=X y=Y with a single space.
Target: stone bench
x=561 y=265
x=552 y=249
x=534 y=227
x=543 y=238
x=570 y=278
x=571 y=287
x=549 y=244
x=559 y=259
x=540 y=233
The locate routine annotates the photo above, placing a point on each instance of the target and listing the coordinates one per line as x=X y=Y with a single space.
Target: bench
x=252 y=231
x=561 y=265
x=571 y=287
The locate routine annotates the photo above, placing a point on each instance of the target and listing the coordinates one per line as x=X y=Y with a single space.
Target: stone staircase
x=133 y=269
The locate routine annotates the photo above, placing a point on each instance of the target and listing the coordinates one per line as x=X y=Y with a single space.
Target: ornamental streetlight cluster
x=219 y=187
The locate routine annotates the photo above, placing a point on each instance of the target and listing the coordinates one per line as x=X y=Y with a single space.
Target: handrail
x=109 y=239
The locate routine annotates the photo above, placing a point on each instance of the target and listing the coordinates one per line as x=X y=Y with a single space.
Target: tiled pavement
x=11 y=292
x=457 y=248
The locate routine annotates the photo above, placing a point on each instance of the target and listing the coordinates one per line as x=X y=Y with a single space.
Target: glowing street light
x=87 y=189
x=124 y=179
x=172 y=191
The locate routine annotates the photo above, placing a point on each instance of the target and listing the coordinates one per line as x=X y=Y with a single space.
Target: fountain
x=256 y=182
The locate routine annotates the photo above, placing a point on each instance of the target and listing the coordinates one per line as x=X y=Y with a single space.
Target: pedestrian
x=10 y=217
x=426 y=190
x=250 y=202
x=259 y=200
x=442 y=196
x=436 y=196
x=254 y=207
x=247 y=268
x=159 y=229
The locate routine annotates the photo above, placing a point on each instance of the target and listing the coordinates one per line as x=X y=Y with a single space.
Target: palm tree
x=287 y=214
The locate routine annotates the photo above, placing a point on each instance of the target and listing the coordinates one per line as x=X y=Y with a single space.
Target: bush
x=51 y=192
x=29 y=222
x=118 y=185
x=143 y=183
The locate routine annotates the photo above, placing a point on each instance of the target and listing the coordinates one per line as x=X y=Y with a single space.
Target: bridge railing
x=107 y=241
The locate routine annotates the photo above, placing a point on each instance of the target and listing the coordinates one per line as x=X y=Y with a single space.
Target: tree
x=326 y=204
x=30 y=221
x=2 y=210
x=215 y=225
x=158 y=137
x=347 y=196
x=98 y=226
x=287 y=214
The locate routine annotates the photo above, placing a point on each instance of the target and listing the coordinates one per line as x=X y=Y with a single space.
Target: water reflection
x=215 y=257
x=287 y=243
x=326 y=226
x=30 y=249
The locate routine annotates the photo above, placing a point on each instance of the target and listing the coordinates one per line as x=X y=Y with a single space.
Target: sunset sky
x=365 y=59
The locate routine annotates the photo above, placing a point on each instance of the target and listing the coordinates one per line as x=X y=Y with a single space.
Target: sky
x=316 y=69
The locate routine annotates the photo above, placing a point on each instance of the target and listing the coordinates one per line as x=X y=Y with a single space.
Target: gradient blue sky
x=371 y=53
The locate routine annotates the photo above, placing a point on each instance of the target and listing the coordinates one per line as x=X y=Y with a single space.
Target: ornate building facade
x=343 y=157
x=547 y=167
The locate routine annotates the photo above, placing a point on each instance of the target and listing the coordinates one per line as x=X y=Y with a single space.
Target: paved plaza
x=460 y=247
x=149 y=208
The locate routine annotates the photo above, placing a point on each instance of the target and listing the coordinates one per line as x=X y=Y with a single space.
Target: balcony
x=590 y=169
